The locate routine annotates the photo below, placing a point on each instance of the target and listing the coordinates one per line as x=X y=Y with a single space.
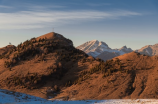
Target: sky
x=118 y=23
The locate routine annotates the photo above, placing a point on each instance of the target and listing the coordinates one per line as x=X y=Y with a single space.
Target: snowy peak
x=100 y=49
x=94 y=41
x=125 y=49
x=92 y=46
x=103 y=45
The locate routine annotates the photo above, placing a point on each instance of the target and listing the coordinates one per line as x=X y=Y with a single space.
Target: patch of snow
x=89 y=46
x=94 y=54
x=102 y=45
x=112 y=101
x=9 y=97
x=147 y=52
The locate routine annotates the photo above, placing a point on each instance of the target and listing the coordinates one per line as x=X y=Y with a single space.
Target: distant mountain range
x=102 y=50
x=99 y=49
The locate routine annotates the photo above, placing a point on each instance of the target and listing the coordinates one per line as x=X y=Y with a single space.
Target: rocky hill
x=42 y=65
x=102 y=50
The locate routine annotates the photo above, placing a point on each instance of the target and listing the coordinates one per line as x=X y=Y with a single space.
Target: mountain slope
x=149 y=50
x=125 y=49
x=4 y=50
x=130 y=76
x=101 y=50
x=42 y=66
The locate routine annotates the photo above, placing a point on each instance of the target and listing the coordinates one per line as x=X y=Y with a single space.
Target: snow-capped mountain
x=102 y=50
x=94 y=47
x=149 y=50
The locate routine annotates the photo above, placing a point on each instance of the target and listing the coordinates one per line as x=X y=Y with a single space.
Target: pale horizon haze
x=118 y=23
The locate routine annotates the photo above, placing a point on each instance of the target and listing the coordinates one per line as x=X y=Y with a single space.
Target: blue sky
x=117 y=22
